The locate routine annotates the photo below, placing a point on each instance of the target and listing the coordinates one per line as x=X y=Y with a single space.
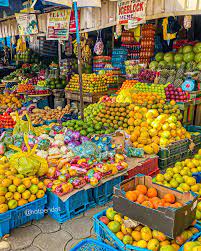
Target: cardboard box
x=171 y=221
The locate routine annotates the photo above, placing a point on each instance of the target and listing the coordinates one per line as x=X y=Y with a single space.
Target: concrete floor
x=48 y=235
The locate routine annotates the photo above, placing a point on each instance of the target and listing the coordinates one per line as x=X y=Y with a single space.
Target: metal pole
x=79 y=58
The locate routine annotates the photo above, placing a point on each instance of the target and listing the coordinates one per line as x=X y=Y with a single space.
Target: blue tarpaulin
x=4 y=3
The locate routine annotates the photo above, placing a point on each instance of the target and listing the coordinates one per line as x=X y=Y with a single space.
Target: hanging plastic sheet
x=4 y=3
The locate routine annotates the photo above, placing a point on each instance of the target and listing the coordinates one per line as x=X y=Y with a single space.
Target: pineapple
x=178 y=82
x=171 y=79
x=180 y=73
x=162 y=80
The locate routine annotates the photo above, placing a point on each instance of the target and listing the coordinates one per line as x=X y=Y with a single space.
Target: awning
x=4 y=3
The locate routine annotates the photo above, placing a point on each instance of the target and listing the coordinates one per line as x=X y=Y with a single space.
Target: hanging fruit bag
x=99 y=46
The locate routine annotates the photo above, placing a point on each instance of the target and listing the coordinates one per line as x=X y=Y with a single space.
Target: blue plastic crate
x=41 y=104
x=193 y=238
x=73 y=206
x=14 y=218
x=104 y=192
x=197 y=176
x=81 y=201
x=91 y=244
x=105 y=235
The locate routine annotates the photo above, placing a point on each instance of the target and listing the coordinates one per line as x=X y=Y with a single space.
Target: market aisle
x=48 y=235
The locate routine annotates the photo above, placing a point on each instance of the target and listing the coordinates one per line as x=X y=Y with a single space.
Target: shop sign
x=72 y=21
x=58 y=24
x=27 y=24
x=131 y=10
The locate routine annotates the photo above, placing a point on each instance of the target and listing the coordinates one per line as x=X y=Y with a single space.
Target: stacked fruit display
x=172 y=66
x=92 y=83
x=10 y=101
x=128 y=84
x=47 y=114
x=180 y=176
x=147 y=76
x=142 y=236
x=132 y=69
x=56 y=83
x=17 y=190
x=25 y=86
x=177 y=94
x=147 y=43
x=151 y=88
x=149 y=130
x=6 y=121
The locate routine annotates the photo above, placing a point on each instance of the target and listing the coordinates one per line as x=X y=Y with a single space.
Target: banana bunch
x=85 y=49
x=86 y=53
x=41 y=83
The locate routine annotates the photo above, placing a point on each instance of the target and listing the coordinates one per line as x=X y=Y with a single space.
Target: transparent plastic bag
x=28 y=163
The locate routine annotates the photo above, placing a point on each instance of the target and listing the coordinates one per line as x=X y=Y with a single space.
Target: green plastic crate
x=170 y=161
x=175 y=148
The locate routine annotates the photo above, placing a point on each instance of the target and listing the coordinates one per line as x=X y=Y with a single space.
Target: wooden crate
x=88 y=98
x=198 y=115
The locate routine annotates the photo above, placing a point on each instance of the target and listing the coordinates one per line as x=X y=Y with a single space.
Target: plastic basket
x=91 y=244
x=193 y=238
x=170 y=161
x=105 y=235
x=177 y=147
x=195 y=136
x=41 y=104
x=81 y=201
x=14 y=218
x=149 y=167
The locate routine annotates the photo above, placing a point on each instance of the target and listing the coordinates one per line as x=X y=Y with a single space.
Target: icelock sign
x=131 y=10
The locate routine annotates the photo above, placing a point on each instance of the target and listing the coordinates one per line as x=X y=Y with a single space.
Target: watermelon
x=153 y=65
x=197 y=48
x=178 y=58
x=162 y=64
x=198 y=57
x=159 y=56
x=189 y=57
x=169 y=57
x=187 y=49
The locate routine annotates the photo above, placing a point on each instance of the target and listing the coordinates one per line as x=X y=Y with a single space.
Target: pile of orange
x=147 y=99
x=128 y=84
x=148 y=197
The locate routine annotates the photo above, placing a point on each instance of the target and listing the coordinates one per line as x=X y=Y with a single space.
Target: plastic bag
x=22 y=126
x=28 y=163
x=99 y=46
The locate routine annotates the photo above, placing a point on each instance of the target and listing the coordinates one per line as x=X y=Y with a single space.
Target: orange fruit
x=169 y=198
x=131 y=195
x=142 y=189
x=152 y=192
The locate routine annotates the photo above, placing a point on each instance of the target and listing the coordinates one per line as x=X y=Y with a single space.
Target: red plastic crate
x=149 y=167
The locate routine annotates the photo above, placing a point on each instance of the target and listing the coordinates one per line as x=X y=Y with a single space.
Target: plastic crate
x=104 y=234
x=91 y=244
x=41 y=104
x=193 y=238
x=195 y=136
x=149 y=167
x=103 y=193
x=14 y=218
x=81 y=201
x=169 y=162
x=177 y=147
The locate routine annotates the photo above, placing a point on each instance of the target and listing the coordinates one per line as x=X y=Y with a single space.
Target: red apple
x=104 y=219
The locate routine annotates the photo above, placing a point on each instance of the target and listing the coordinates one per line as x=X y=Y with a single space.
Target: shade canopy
x=4 y=3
